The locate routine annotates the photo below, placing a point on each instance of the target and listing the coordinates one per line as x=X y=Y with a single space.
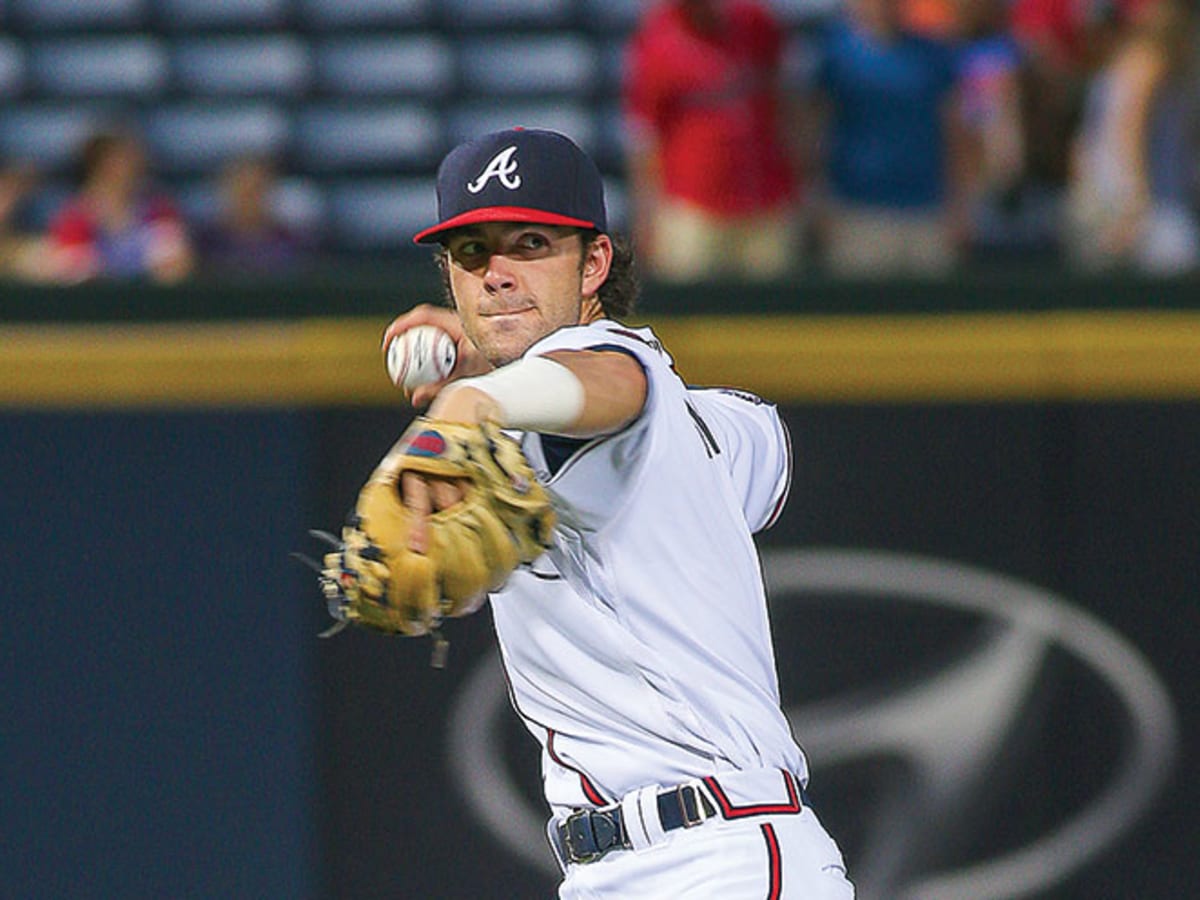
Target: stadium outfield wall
x=991 y=504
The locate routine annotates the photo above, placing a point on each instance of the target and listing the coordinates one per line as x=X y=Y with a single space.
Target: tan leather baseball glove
x=503 y=518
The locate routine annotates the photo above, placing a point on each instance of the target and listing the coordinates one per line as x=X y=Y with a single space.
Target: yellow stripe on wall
x=1080 y=355
x=953 y=357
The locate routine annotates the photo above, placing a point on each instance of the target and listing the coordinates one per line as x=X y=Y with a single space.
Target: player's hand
x=424 y=495
x=470 y=361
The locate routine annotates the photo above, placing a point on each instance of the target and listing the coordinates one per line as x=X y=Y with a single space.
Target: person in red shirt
x=712 y=184
x=114 y=226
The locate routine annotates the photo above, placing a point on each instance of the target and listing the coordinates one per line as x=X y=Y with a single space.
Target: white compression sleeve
x=534 y=394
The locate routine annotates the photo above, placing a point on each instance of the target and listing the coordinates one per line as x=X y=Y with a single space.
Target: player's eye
x=532 y=240
x=464 y=251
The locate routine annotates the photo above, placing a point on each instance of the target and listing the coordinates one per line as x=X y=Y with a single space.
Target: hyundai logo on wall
x=953 y=736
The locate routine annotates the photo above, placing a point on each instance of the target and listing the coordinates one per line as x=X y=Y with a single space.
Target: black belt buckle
x=589 y=834
x=690 y=806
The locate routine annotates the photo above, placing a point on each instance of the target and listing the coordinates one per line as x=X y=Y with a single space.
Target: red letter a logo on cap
x=502 y=166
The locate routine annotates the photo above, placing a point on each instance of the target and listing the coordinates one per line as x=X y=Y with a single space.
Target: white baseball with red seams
x=421 y=355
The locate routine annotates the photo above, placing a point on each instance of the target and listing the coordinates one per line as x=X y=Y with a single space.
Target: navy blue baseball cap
x=519 y=175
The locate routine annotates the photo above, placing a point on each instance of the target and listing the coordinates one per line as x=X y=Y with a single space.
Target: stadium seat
x=53 y=15
x=45 y=203
x=297 y=202
x=48 y=135
x=323 y=14
x=471 y=119
x=612 y=65
x=798 y=13
x=231 y=14
x=117 y=66
x=521 y=64
x=332 y=138
x=380 y=214
x=419 y=64
x=499 y=14
x=613 y=15
x=198 y=200
x=12 y=68
x=358 y=98
x=616 y=204
x=270 y=65
x=200 y=137
x=610 y=150
x=300 y=202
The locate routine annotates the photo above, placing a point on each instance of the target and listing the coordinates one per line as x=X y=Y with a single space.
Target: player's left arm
x=574 y=393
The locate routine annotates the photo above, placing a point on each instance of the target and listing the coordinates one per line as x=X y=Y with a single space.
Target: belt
x=588 y=834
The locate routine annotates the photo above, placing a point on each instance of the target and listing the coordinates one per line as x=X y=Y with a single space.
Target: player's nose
x=499 y=276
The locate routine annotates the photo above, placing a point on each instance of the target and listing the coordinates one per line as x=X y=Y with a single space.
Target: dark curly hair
x=618 y=295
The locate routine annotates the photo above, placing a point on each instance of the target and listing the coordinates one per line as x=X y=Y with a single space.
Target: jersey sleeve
x=733 y=429
x=755 y=445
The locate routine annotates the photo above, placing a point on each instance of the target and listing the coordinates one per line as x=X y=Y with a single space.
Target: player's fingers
x=399 y=325
x=423 y=314
x=423 y=395
x=445 y=493
x=419 y=502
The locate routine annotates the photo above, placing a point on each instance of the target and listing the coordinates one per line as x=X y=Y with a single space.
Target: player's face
x=514 y=283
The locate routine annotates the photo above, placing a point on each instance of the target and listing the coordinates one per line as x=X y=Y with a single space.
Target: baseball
x=421 y=355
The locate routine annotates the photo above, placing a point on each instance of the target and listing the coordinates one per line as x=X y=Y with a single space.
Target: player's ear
x=597 y=260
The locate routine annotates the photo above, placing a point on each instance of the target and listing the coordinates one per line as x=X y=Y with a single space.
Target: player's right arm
x=571 y=393
x=602 y=392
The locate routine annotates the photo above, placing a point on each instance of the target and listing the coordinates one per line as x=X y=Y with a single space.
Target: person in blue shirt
x=892 y=168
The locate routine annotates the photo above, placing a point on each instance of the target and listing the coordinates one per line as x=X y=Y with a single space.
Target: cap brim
x=499 y=214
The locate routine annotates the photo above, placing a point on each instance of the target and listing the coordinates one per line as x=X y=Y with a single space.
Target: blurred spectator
x=1130 y=193
x=894 y=168
x=711 y=181
x=1061 y=41
x=22 y=253
x=939 y=19
x=116 y=226
x=247 y=237
x=990 y=113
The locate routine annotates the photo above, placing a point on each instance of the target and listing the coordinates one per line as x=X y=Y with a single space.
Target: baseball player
x=637 y=646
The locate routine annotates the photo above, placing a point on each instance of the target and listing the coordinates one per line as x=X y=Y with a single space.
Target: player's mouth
x=501 y=315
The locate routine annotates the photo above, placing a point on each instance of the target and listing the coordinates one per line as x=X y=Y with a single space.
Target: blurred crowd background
x=756 y=139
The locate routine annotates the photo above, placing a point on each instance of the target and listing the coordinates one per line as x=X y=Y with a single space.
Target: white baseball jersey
x=638 y=650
